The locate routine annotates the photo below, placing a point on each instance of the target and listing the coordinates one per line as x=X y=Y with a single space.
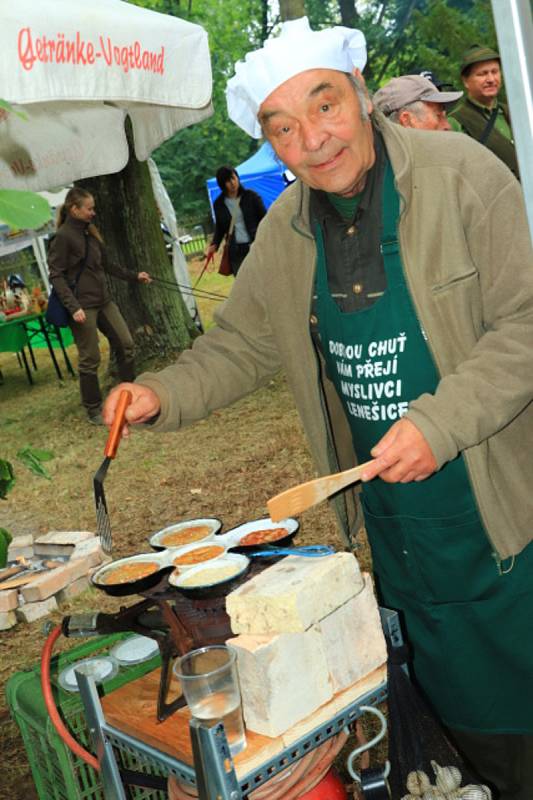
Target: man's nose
x=445 y=125
x=313 y=136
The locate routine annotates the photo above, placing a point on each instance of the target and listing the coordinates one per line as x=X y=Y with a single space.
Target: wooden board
x=16 y=583
x=132 y=709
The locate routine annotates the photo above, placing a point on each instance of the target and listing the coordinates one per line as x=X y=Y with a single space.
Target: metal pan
x=174 y=554
x=233 y=538
x=213 y=589
x=136 y=586
x=157 y=540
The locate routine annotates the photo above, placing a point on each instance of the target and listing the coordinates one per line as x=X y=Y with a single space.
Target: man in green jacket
x=480 y=114
x=393 y=284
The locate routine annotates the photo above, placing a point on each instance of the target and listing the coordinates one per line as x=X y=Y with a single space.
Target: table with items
x=21 y=330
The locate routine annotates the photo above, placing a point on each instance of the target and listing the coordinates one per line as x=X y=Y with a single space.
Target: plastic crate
x=58 y=773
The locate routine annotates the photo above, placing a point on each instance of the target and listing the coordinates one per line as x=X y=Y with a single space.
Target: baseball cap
x=406 y=89
x=298 y=48
x=476 y=53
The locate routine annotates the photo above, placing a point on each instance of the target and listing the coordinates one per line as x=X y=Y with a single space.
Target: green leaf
x=30 y=460
x=8 y=107
x=43 y=455
x=23 y=209
x=5 y=539
x=7 y=478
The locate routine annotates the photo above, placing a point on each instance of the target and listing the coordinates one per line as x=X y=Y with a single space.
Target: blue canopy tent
x=262 y=172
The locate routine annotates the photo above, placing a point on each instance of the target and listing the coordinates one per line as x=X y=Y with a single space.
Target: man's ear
x=404 y=118
x=358 y=75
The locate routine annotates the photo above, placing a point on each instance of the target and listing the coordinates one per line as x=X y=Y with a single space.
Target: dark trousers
x=111 y=323
x=503 y=761
x=237 y=254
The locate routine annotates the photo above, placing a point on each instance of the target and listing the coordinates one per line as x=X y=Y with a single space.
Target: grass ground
x=226 y=466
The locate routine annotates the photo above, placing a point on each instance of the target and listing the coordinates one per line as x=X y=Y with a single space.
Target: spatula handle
x=115 y=431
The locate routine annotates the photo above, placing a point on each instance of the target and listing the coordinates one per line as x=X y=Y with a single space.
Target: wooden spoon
x=293 y=501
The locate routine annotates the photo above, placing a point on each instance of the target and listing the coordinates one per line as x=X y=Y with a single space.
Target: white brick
x=293 y=594
x=20 y=546
x=353 y=638
x=8 y=620
x=73 y=589
x=55 y=543
x=16 y=552
x=283 y=679
x=8 y=600
x=54 y=580
x=22 y=541
x=29 y=612
x=90 y=548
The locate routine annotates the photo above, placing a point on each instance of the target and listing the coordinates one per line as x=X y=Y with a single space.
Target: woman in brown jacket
x=78 y=265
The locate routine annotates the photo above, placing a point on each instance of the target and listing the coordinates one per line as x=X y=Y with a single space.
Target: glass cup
x=209 y=681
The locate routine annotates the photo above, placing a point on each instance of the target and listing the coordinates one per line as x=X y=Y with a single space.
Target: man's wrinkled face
x=313 y=121
x=431 y=118
x=484 y=81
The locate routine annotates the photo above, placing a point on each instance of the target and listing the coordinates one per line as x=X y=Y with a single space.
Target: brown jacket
x=466 y=251
x=66 y=254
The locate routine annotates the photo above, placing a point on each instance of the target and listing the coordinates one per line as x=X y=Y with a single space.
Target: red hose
x=51 y=707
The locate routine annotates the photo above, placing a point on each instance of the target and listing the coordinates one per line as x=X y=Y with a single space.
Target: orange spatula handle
x=115 y=432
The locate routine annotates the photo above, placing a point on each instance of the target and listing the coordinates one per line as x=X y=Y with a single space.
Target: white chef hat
x=295 y=50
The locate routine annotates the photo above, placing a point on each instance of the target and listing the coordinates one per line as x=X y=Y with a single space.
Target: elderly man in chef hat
x=395 y=290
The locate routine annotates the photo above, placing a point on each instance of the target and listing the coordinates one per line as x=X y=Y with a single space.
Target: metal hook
x=362 y=748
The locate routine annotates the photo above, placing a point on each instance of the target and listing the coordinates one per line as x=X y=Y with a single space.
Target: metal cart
x=213 y=773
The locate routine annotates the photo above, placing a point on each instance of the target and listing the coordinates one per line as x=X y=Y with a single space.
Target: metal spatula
x=103 y=526
x=300 y=498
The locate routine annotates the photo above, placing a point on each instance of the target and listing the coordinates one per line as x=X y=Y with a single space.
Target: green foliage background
x=403 y=36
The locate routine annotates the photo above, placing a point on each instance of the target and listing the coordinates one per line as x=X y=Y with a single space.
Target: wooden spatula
x=300 y=498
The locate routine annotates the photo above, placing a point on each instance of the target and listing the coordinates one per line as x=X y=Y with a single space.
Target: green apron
x=466 y=615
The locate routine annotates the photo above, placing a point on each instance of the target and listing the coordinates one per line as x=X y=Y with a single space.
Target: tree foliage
x=403 y=36
x=193 y=155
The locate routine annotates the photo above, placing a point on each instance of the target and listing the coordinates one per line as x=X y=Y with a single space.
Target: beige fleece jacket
x=468 y=262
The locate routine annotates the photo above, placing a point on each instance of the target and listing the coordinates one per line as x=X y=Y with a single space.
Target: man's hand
x=79 y=315
x=401 y=456
x=144 y=405
x=144 y=277
x=210 y=250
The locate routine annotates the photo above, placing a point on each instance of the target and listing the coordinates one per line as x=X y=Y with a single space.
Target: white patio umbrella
x=76 y=69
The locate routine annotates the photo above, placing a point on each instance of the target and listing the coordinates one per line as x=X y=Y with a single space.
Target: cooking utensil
x=157 y=540
x=103 y=526
x=136 y=585
x=235 y=536
x=305 y=495
x=267 y=551
x=218 y=589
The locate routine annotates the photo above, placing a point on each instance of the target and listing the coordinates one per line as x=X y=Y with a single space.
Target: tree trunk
x=128 y=219
x=349 y=16
x=291 y=9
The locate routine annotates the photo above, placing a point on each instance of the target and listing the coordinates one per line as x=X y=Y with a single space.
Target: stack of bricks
x=309 y=629
x=79 y=553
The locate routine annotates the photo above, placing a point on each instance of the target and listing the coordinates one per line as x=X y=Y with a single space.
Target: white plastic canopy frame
x=76 y=69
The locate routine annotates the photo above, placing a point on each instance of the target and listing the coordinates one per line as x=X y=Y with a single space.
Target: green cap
x=477 y=53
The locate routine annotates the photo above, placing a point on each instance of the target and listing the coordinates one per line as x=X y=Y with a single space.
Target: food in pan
x=198 y=554
x=264 y=536
x=185 y=536
x=132 y=571
x=210 y=575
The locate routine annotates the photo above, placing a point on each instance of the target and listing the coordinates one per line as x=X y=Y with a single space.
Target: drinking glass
x=210 y=684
